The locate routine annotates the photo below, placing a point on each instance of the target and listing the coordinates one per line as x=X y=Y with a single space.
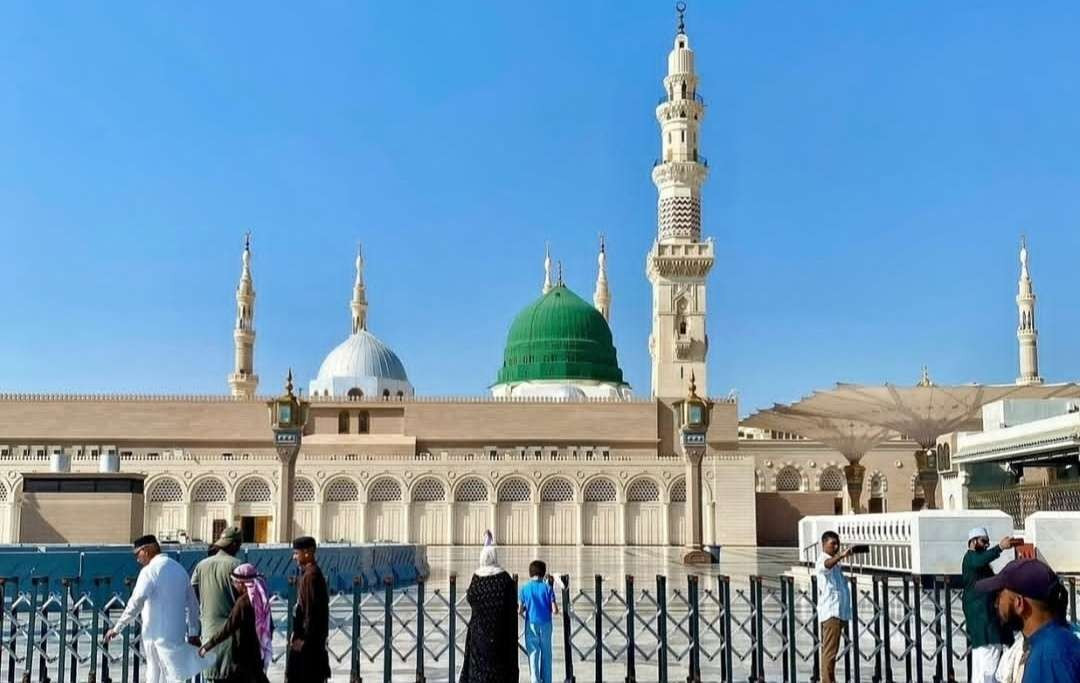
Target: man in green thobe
x=212 y=580
x=986 y=637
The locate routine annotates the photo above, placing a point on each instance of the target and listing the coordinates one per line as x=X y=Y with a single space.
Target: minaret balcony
x=683 y=346
x=664 y=99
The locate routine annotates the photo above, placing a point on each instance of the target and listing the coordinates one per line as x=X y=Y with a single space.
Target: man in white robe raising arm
x=169 y=612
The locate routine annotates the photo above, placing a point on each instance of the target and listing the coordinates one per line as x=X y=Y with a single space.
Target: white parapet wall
x=1056 y=537
x=928 y=542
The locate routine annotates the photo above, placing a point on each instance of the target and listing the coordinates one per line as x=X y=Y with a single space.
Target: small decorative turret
x=1026 y=334
x=602 y=296
x=359 y=299
x=243 y=380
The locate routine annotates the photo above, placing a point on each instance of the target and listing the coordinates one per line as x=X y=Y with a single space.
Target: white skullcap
x=978 y=532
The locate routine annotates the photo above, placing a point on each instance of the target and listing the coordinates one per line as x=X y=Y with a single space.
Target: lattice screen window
x=643 y=491
x=877 y=486
x=208 y=491
x=253 y=490
x=832 y=479
x=678 y=491
x=428 y=490
x=557 y=491
x=165 y=490
x=788 y=479
x=600 y=491
x=471 y=491
x=384 y=490
x=342 y=490
x=514 y=491
x=303 y=491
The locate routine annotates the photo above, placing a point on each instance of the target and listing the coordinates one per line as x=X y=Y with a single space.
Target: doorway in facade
x=256 y=528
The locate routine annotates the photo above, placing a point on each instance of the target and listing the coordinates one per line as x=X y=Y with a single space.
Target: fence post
x=756 y=589
x=31 y=622
x=886 y=627
x=1072 y=598
x=568 y=646
x=917 y=588
x=106 y=664
x=631 y=673
x=420 y=631
x=793 y=660
x=907 y=628
x=290 y=606
x=598 y=624
x=877 y=630
x=3 y=601
x=453 y=627
x=938 y=668
x=853 y=646
x=950 y=670
x=388 y=628
x=354 y=662
x=125 y=648
x=695 y=635
x=725 y=629
x=95 y=631
x=661 y=628
x=815 y=676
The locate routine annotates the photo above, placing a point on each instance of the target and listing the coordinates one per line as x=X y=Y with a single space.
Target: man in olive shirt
x=212 y=580
x=986 y=637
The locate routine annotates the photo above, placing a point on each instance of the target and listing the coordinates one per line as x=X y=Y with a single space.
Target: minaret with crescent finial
x=602 y=295
x=243 y=381
x=679 y=262
x=548 y=285
x=1026 y=334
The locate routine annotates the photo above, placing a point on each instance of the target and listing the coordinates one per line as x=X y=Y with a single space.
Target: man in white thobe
x=169 y=612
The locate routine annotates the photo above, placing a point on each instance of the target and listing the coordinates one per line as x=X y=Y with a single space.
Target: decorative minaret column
x=359 y=297
x=694 y=414
x=679 y=262
x=243 y=380
x=1026 y=334
x=602 y=296
x=548 y=286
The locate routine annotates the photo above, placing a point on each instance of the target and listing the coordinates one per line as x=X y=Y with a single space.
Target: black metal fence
x=717 y=628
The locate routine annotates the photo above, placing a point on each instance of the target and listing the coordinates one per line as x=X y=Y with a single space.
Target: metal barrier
x=719 y=628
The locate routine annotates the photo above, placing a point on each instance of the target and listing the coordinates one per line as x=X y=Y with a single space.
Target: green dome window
x=559 y=337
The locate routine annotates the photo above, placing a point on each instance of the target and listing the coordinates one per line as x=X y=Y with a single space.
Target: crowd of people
x=1015 y=620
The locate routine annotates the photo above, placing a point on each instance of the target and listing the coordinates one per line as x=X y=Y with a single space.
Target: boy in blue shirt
x=537 y=600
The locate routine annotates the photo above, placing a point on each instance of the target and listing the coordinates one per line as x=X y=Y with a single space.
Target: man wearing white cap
x=986 y=637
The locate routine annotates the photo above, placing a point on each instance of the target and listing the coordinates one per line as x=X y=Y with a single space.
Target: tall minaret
x=243 y=380
x=679 y=261
x=602 y=296
x=548 y=286
x=359 y=296
x=1026 y=334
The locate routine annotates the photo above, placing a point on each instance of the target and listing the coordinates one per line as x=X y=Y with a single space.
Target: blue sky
x=872 y=168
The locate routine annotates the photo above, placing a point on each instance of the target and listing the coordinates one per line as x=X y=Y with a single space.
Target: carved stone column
x=694 y=550
x=287 y=454
x=856 y=476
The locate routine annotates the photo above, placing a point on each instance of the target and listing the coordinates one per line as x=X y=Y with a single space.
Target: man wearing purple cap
x=1030 y=599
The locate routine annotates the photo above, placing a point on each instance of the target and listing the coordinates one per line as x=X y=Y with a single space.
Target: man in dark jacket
x=308 y=661
x=986 y=637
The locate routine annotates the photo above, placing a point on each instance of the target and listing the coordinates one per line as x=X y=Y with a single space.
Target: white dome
x=361 y=362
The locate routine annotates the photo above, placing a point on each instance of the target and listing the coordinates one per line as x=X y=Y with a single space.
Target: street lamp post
x=288 y=415
x=694 y=425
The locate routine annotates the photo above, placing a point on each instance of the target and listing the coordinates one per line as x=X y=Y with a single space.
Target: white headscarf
x=489 y=560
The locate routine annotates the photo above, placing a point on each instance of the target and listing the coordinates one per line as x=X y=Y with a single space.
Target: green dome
x=559 y=337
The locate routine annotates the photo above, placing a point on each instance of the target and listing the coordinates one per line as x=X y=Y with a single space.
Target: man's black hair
x=537 y=568
x=830 y=534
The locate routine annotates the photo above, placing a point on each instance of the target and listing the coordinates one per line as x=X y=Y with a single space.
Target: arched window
x=400 y=394
x=832 y=479
x=166 y=490
x=678 y=491
x=514 y=491
x=642 y=491
x=428 y=490
x=682 y=328
x=386 y=394
x=600 y=491
x=209 y=490
x=684 y=90
x=254 y=490
x=788 y=479
x=303 y=491
x=362 y=427
x=341 y=491
x=471 y=491
x=557 y=491
x=384 y=490
x=343 y=422
x=355 y=394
